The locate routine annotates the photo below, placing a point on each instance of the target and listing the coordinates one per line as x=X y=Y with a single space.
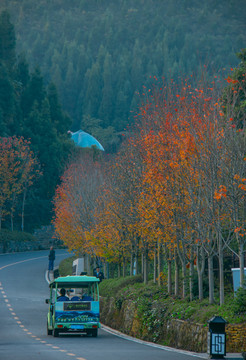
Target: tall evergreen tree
x=59 y=119
x=7 y=41
x=93 y=90
x=34 y=92
x=106 y=107
x=7 y=101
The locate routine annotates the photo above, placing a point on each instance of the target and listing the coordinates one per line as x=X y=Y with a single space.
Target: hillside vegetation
x=101 y=53
x=132 y=288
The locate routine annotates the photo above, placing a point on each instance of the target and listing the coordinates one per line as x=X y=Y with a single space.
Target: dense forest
x=34 y=143
x=86 y=64
x=100 y=53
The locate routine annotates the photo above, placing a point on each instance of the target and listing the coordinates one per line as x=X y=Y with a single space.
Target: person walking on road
x=52 y=256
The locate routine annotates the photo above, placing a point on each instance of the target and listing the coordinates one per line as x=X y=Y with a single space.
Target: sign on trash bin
x=217 y=337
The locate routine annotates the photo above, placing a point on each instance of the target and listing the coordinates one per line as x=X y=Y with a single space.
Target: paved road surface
x=23 y=290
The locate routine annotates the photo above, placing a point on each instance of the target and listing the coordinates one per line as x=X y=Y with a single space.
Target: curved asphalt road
x=23 y=290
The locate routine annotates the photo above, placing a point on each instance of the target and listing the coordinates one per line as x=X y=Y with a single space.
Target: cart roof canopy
x=74 y=281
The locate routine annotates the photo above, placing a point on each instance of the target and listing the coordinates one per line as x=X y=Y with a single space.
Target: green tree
x=234 y=96
x=59 y=119
x=34 y=92
x=93 y=90
x=106 y=107
x=7 y=41
x=7 y=101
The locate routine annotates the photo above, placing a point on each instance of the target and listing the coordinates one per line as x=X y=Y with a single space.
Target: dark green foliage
x=7 y=41
x=100 y=53
x=31 y=109
x=6 y=236
x=114 y=286
x=7 y=101
x=15 y=240
x=239 y=303
x=66 y=266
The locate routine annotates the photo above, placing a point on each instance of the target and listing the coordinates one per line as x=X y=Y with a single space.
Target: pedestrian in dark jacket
x=52 y=256
x=98 y=273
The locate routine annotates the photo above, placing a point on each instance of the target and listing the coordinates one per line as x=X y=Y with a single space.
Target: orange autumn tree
x=166 y=166
x=75 y=203
x=119 y=199
x=18 y=170
x=109 y=235
x=230 y=192
x=176 y=126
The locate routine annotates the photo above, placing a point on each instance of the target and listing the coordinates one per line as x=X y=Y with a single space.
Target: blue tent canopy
x=85 y=140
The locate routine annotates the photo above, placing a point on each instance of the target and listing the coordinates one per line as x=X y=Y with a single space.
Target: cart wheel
x=49 y=332
x=94 y=332
x=55 y=333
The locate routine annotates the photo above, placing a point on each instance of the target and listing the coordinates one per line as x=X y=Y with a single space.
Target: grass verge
x=132 y=288
x=145 y=296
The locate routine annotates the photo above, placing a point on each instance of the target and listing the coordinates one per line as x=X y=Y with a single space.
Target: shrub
x=66 y=266
x=12 y=240
x=239 y=303
x=111 y=287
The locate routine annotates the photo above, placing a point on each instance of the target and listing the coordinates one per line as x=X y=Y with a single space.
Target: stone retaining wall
x=19 y=246
x=236 y=337
x=175 y=333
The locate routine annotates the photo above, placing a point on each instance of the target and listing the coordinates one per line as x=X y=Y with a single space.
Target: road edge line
x=162 y=347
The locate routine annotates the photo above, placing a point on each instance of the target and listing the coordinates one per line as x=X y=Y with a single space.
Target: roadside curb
x=162 y=347
x=49 y=276
x=229 y=356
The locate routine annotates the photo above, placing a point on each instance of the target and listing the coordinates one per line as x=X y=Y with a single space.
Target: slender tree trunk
x=200 y=285
x=108 y=270
x=124 y=266
x=200 y=270
x=169 y=277
x=105 y=269
x=191 y=280
x=119 y=269
x=23 y=210
x=136 y=259
x=89 y=264
x=12 y=212
x=176 y=289
x=155 y=267
x=160 y=262
x=12 y=221
x=142 y=257
x=184 y=279
x=221 y=271
x=211 y=278
x=145 y=274
x=241 y=264
x=132 y=263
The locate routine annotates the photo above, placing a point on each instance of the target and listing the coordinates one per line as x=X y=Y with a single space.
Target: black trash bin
x=56 y=272
x=217 y=338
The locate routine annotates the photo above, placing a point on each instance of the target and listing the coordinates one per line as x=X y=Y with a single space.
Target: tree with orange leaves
x=75 y=203
x=169 y=149
x=18 y=169
x=122 y=190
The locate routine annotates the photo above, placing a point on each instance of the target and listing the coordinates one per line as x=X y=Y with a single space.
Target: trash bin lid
x=217 y=320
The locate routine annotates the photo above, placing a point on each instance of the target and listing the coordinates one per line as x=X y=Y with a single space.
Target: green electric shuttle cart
x=73 y=306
